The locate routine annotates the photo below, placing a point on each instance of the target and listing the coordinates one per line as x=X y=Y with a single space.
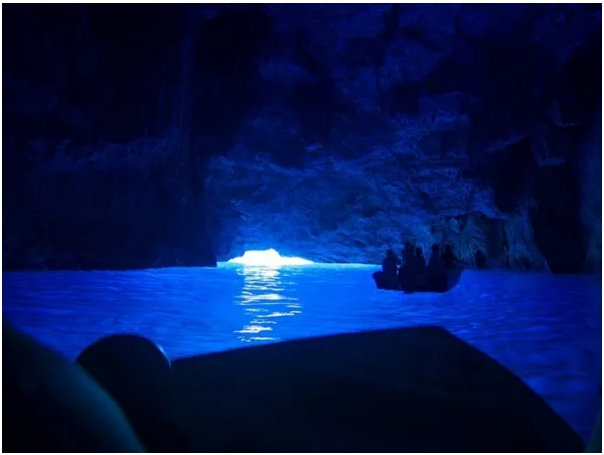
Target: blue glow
x=270 y=258
x=546 y=329
x=262 y=289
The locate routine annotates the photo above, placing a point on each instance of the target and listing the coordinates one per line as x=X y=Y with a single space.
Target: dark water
x=547 y=329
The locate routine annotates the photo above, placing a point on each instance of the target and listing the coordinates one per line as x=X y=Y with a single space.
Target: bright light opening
x=270 y=258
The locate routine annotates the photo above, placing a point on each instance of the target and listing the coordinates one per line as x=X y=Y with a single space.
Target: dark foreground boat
x=441 y=281
x=405 y=390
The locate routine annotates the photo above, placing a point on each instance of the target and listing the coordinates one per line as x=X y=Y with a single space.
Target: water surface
x=547 y=329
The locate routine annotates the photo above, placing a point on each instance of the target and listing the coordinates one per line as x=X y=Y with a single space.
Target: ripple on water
x=546 y=329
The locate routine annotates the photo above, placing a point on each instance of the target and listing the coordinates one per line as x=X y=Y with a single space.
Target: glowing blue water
x=546 y=329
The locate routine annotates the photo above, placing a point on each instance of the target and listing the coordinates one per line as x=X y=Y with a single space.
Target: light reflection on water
x=546 y=329
x=262 y=288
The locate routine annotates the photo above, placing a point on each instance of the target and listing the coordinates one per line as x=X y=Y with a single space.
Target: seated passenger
x=413 y=269
x=449 y=259
x=434 y=263
x=419 y=261
x=480 y=260
x=390 y=263
x=407 y=254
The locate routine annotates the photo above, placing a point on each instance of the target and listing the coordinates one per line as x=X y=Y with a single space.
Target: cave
x=199 y=197
x=193 y=133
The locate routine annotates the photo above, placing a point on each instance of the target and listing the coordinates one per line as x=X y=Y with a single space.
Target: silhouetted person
x=390 y=263
x=480 y=260
x=407 y=254
x=434 y=262
x=419 y=262
x=449 y=259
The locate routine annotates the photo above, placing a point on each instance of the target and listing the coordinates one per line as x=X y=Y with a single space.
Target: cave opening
x=268 y=258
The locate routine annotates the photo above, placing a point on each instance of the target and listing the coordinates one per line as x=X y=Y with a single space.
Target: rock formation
x=157 y=135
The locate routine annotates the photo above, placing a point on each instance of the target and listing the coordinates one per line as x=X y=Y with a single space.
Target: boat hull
x=440 y=281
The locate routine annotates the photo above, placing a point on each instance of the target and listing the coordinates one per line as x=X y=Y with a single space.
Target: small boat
x=439 y=281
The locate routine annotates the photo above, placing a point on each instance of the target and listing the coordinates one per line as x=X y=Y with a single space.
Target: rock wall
x=591 y=193
x=138 y=136
x=95 y=212
x=430 y=123
x=110 y=114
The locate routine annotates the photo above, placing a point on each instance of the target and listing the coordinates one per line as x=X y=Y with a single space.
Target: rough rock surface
x=434 y=123
x=326 y=131
x=591 y=194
